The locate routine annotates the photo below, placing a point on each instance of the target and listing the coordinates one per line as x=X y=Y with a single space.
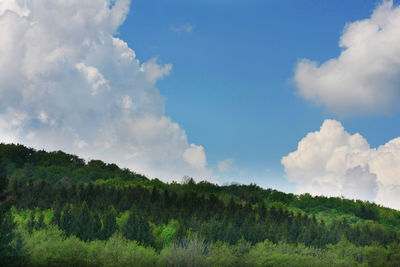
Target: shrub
x=188 y=252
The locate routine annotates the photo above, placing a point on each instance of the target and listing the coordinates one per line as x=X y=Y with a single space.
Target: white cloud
x=333 y=162
x=19 y=8
x=66 y=82
x=365 y=78
x=187 y=27
x=93 y=77
x=153 y=71
x=225 y=165
x=195 y=156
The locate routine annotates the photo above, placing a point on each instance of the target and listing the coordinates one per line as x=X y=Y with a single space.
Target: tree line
x=53 y=200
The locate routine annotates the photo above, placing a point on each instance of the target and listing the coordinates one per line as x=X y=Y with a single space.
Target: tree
x=40 y=223
x=109 y=226
x=31 y=222
x=56 y=215
x=137 y=228
x=67 y=221
x=87 y=225
x=9 y=255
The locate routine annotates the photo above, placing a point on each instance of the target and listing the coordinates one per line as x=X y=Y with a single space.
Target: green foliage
x=118 y=251
x=67 y=222
x=109 y=226
x=50 y=247
x=137 y=228
x=31 y=222
x=165 y=234
x=101 y=215
x=222 y=254
x=188 y=252
x=10 y=254
x=19 y=162
x=40 y=222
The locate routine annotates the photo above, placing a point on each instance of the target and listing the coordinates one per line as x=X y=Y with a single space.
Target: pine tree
x=129 y=229
x=95 y=227
x=137 y=228
x=31 y=222
x=85 y=224
x=155 y=195
x=9 y=255
x=40 y=223
x=261 y=210
x=109 y=226
x=56 y=215
x=67 y=221
x=144 y=232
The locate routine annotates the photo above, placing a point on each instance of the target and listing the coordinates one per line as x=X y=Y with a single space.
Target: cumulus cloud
x=333 y=162
x=195 y=156
x=365 y=77
x=67 y=82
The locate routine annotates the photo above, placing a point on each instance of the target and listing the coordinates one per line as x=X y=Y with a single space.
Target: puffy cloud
x=195 y=156
x=365 y=77
x=333 y=162
x=66 y=82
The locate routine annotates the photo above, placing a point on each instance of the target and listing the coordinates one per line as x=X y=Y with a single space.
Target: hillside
x=91 y=204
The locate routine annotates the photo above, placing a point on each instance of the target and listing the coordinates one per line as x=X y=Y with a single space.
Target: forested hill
x=60 y=195
x=19 y=162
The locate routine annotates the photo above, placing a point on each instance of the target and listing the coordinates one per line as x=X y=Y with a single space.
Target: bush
x=189 y=252
x=222 y=254
x=269 y=254
x=49 y=247
x=118 y=251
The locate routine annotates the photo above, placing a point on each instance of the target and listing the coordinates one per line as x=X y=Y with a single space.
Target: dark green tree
x=31 y=222
x=9 y=255
x=109 y=225
x=67 y=221
x=95 y=227
x=40 y=223
x=56 y=215
x=87 y=225
x=137 y=228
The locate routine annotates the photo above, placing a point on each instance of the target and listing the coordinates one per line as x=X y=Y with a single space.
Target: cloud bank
x=365 y=77
x=67 y=82
x=333 y=162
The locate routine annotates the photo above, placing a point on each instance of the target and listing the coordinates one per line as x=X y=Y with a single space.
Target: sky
x=299 y=96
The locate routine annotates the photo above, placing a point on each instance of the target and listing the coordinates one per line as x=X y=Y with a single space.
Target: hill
x=60 y=195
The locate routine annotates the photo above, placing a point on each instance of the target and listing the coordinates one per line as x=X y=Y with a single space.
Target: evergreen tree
x=155 y=195
x=95 y=227
x=9 y=255
x=56 y=215
x=40 y=223
x=137 y=228
x=129 y=229
x=109 y=225
x=85 y=224
x=31 y=222
x=67 y=221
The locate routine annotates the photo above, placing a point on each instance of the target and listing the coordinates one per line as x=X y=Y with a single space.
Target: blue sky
x=300 y=96
x=232 y=87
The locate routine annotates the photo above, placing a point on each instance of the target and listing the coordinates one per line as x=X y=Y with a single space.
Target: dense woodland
x=59 y=210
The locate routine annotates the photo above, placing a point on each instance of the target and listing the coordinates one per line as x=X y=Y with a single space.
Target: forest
x=57 y=209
